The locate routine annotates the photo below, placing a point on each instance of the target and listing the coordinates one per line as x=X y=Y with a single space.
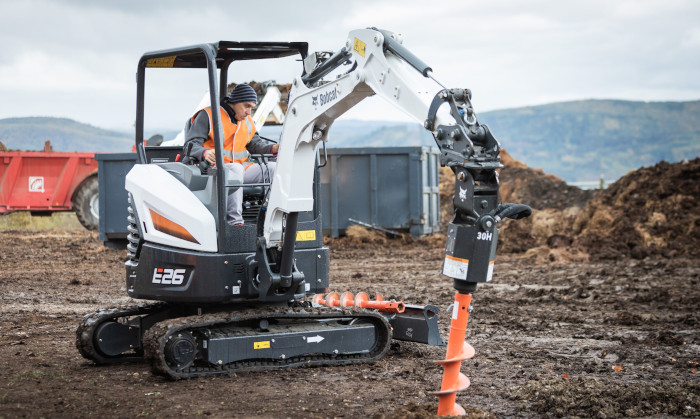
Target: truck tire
x=86 y=204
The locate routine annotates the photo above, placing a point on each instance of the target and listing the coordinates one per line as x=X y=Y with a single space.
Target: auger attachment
x=361 y=300
x=457 y=351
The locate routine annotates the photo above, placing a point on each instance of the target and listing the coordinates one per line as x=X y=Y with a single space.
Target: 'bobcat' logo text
x=324 y=98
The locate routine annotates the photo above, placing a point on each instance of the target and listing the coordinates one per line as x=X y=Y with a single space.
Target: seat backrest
x=190 y=176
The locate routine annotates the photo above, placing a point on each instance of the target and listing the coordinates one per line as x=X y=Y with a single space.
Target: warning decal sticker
x=161 y=62
x=455 y=267
x=265 y=344
x=306 y=235
x=359 y=47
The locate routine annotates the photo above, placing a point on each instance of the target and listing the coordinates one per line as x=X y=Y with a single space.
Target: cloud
x=509 y=53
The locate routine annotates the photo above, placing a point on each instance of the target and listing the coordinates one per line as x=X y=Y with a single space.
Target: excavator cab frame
x=236 y=247
x=212 y=56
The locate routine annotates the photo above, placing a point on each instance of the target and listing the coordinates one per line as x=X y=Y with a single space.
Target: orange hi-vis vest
x=236 y=137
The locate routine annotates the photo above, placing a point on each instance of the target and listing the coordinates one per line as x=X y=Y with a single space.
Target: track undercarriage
x=184 y=342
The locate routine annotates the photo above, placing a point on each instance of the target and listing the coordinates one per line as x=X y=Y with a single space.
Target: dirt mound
x=523 y=185
x=520 y=184
x=556 y=205
x=544 y=236
x=360 y=237
x=358 y=234
x=651 y=211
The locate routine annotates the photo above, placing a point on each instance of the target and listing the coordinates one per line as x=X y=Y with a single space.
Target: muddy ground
x=595 y=339
x=593 y=312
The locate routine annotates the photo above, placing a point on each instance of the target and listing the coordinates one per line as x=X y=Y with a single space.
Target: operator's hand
x=274 y=148
x=210 y=156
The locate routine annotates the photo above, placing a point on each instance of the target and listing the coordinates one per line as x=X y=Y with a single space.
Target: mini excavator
x=234 y=298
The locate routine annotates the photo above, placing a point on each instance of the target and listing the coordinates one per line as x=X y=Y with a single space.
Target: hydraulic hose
x=514 y=211
x=287 y=262
x=327 y=66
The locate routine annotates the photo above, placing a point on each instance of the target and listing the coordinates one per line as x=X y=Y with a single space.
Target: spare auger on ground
x=232 y=298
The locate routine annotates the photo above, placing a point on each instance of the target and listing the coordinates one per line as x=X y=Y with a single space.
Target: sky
x=77 y=59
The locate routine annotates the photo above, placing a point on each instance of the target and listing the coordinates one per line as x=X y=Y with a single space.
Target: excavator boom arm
x=379 y=65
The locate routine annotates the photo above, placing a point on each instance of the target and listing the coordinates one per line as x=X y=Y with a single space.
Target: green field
x=24 y=220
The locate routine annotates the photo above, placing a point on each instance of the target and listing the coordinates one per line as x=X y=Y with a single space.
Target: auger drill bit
x=458 y=350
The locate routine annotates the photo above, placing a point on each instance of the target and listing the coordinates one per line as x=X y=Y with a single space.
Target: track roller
x=180 y=350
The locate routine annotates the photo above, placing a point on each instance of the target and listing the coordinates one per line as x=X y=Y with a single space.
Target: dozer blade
x=416 y=324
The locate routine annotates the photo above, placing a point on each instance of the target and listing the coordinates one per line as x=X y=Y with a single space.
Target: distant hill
x=577 y=141
x=350 y=134
x=580 y=140
x=65 y=135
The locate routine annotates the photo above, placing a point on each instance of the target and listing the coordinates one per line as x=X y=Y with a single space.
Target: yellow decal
x=306 y=235
x=161 y=62
x=261 y=345
x=359 y=47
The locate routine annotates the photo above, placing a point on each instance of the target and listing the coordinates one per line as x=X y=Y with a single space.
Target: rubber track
x=156 y=337
x=87 y=327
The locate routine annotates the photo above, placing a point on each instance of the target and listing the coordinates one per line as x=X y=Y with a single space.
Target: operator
x=240 y=140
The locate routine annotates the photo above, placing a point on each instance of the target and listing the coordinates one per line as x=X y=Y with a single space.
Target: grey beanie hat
x=242 y=93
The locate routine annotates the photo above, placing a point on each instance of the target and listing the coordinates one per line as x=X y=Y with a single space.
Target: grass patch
x=24 y=220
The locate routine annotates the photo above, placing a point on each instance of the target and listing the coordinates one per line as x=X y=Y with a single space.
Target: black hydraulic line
x=514 y=211
x=325 y=156
x=290 y=237
x=393 y=45
x=327 y=66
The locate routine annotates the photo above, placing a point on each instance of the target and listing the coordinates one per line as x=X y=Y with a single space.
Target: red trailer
x=47 y=181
